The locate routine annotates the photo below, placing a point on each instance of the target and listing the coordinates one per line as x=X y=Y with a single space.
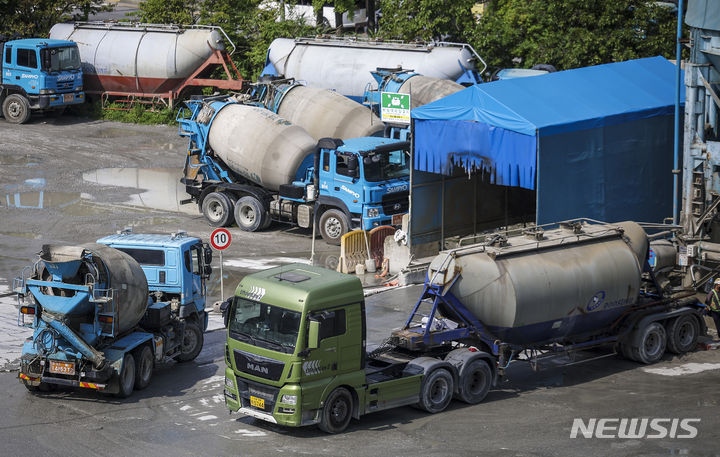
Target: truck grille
x=65 y=85
x=268 y=393
x=395 y=203
x=258 y=366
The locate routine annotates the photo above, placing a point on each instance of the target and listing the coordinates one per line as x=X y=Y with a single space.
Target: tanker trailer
x=252 y=166
x=345 y=65
x=522 y=296
x=321 y=112
x=102 y=316
x=150 y=60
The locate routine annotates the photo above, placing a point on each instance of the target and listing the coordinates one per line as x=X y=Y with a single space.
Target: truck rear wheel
x=217 y=209
x=475 y=382
x=682 y=334
x=143 y=373
x=333 y=225
x=250 y=214
x=16 y=109
x=192 y=342
x=650 y=345
x=436 y=391
x=337 y=412
x=127 y=376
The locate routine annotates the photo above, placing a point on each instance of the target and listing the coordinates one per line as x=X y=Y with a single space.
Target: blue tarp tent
x=592 y=142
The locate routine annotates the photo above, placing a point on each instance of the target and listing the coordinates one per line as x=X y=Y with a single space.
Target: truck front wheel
x=437 y=391
x=192 y=342
x=217 y=209
x=16 y=109
x=333 y=225
x=127 y=376
x=337 y=412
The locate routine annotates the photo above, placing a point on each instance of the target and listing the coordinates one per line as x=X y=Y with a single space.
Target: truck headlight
x=373 y=212
x=289 y=399
x=229 y=383
x=78 y=88
x=47 y=91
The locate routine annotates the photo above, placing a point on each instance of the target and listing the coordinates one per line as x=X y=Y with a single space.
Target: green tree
x=168 y=11
x=573 y=33
x=426 y=20
x=34 y=18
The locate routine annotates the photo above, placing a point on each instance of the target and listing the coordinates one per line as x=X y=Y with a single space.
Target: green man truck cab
x=296 y=355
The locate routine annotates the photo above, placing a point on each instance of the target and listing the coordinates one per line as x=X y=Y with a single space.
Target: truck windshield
x=386 y=165
x=264 y=325
x=61 y=59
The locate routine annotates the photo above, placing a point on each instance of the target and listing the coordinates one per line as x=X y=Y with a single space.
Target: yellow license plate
x=68 y=98
x=257 y=402
x=62 y=367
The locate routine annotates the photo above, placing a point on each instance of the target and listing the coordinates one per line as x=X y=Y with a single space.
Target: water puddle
x=160 y=187
x=41 y=200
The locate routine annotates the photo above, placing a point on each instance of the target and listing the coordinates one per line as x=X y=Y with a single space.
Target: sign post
x=395 y=108
x=220 y=239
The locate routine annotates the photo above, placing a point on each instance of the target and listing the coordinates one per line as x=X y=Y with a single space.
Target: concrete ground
x=71 y=181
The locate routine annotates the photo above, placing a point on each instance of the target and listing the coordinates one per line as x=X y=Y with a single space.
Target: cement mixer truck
x=249 y=165
x=296 y=348
x=104 y=314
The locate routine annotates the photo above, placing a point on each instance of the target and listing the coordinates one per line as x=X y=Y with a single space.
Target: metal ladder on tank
x=102 y=298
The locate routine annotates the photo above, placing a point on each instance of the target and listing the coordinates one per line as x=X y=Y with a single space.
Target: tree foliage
x=573 y=33
x=168 y=11
x=426 y=20
x=34 y=18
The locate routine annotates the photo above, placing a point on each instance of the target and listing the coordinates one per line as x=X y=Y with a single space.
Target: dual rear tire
x=648 y=344
x=221 y=210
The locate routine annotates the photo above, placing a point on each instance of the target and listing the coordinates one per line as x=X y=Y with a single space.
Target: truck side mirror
x=314 y=335
x=352 y=163
x=207 y=271
x=207 y=254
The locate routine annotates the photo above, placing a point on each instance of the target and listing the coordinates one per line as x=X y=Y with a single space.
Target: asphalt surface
x=72 y=181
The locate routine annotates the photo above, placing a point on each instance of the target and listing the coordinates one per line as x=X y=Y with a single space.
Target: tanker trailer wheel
x=436 y=391
x=337 y=412
x=127 y=376
x=16 y=109
x=682 y=334
x=475 y=381
x=145 y=365
x=218 y=209
x=333 y=225
x=649 y=345
x=192 y=342
x=250 y=214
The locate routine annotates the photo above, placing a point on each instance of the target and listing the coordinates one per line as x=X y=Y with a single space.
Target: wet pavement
x=69 y=180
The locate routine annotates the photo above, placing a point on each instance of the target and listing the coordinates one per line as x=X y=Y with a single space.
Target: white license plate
x=62 y=367
x=68 y=98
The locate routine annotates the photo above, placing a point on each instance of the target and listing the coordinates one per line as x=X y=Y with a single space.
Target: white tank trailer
x=345 y=65
x=548 y=286
x=424 y=90
x=138 y=58
x=258 y=144
x=325 y=113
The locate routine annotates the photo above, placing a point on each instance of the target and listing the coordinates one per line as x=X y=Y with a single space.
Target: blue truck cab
x=104 y=314
x=358 y=183
x=39 y=74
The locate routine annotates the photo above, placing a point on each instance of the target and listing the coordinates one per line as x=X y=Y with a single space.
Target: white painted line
x=688 y=368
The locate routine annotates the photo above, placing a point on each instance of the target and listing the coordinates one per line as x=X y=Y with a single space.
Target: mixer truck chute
x=103 y=314
x=521 y=296
x=251 y=166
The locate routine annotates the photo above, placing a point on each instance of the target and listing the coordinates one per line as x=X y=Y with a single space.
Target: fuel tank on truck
x=146 y=58
x=549 y=286
x=345 y=65
x=325 y=113
x=424 y=90
x=258 y=144
x=106 y=268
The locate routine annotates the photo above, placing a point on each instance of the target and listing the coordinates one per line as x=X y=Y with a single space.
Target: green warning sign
x=395 y=108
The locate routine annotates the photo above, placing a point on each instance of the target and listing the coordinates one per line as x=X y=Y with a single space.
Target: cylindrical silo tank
x=574 y=281
x=424 y=90
x=258 y=144
x=110 y=268
x=345 y=65
x=325 y=113
x=138 y=58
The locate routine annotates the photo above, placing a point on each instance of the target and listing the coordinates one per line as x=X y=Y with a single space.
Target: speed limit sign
x=220 y=239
